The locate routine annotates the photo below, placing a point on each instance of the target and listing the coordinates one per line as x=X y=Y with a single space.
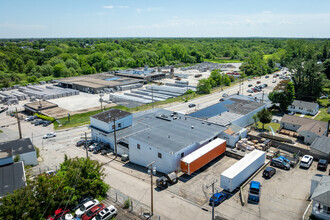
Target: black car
x=39 y=123
x=250 y=85
x=269 y=172
x=46 y=123
x=192 y=105
x=322 y=165
x=267 y=76
x=80 y=143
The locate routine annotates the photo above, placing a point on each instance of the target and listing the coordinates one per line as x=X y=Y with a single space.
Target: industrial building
x=97 y=83
x=146 y=74
x=12 y=176
x=22 y=148
x=156 y=135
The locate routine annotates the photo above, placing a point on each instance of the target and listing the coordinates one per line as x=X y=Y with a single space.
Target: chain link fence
x=140 y=209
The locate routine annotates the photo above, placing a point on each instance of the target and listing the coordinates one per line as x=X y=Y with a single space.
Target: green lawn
x=306 y=116
x=323 y=115
x=275 y=126
x=1 y=131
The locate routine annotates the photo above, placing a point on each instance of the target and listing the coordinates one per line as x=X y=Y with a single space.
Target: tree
x=283 y=94
x=326 y=66
x=255 y=119
x=264 y=117
x=204 y=86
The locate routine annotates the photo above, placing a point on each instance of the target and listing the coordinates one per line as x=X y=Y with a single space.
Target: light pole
x=151 y=172
x=212 y=184
x=101 y=100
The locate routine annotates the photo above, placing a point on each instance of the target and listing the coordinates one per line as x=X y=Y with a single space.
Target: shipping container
x=237 y=174
x=203 y=156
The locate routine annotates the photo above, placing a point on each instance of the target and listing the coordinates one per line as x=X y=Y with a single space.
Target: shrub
x=44 y=117
x=127 y=203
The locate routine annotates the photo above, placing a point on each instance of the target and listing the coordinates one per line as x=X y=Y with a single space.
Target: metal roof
x=110 y=115
x=243 y=107
x=170 y=134
x=240 y=165
x=322 y=191
x=12 y=177
x=303 y=104
x=321 y=144
x=224 y=118
x=203 y=150
x=19 y=146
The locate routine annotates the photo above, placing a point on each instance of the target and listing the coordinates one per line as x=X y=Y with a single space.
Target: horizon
x=39 y=19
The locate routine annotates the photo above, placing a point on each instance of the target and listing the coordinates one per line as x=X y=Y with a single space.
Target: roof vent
x=192 y=127
x=169 y=136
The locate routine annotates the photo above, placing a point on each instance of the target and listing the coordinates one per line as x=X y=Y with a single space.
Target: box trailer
x=237 y=174
x=202 y=156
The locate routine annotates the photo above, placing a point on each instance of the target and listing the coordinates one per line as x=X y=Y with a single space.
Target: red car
x=93 y=211
x=258 y=82
x=58 y=214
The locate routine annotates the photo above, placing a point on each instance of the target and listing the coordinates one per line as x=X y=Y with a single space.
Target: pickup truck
x=254 y=192
x=164 y=181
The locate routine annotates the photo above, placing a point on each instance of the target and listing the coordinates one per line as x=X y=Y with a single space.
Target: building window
x=160 y=155
x=119 y=125
x=138 y=146
x=182 y=154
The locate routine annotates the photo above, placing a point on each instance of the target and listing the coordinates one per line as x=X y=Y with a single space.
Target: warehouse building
x=156 y=135
x=12 y=177
x=97 y=83
x=22 y=148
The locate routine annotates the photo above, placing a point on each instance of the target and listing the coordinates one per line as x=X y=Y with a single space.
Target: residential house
x=306 y=108
x=307 y=128
x=320 y=194
x=321 y=147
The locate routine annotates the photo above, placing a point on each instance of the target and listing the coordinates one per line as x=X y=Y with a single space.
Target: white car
x=306 y=161
x=107 y=213
x=49 y=135
x=85 y=207
x=274 y=81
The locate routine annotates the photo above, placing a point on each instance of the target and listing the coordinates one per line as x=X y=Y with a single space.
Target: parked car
x=49 y=135
x=225 y=95
x=269 y=172
x=266 y=76
x=250 y=85
x=91 y=148
x=258 y=82
x=192 y=105
x=222 y=99
x=93 y=211
x=265 y=85
x=59 y=214
x=29 y=118
x=85 y=207
x=274 y=81
x=322 y=164
x=39 y=122
x=277 y=162
x=107 y=213
x=306 y=161
x=97 y=149
x=218 y=198
x=46 y=123
x=51 y=173
x=35 y=121
x=80 y=143
x=250 y=90
x=249 y=79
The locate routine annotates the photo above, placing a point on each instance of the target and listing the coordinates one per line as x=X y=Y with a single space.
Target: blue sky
x=167 y=18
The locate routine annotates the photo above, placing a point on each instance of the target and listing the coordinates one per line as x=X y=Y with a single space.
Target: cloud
x=112 y=7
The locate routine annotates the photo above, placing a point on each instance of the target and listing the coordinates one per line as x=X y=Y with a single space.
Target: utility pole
x=115 y=137
x=151 y=171
x=19 y=125
x=263 y=93
x=212 y=184
x=86 y=145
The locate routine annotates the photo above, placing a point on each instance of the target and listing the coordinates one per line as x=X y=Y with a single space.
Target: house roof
x=110 y=115
x=307 y=124
x=321 y=144
x=322 y=191
x=12 y=177
x=19 y=146
x=303 y=104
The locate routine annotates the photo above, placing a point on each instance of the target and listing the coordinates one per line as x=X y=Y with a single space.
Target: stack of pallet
x=244 y=144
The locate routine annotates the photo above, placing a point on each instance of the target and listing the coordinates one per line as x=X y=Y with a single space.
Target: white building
x=320 y=194
x=233 y=134
x=22 y=148
x=157 y=135
x=306 y=108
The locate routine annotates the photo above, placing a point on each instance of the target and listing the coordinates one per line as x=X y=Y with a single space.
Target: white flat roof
x=203 y=150
x=242 y=163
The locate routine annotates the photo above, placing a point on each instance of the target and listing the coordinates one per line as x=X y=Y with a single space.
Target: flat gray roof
x=19 y=146
x=110 y=115
x=11 y=177
x=322 y=144
x=225 y=118
x=160 y=129
x=243 y=107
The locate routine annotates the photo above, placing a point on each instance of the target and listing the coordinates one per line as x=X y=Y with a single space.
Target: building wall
x=29 y=158
x=108 y=127
x=319 y=153
x=309 y=136
x=7 y=160
x=146 y=154
x=289 y=126
x=247 y=119
x=232 y=140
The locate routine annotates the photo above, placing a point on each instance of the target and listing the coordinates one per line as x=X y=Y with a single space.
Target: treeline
x=32 y=60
